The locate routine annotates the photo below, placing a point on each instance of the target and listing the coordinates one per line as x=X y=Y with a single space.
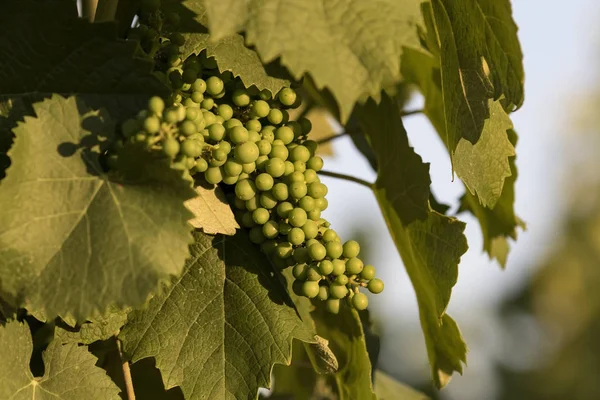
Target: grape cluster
x=216 y=130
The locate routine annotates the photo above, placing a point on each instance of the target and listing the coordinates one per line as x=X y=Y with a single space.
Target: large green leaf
x=72 y=239
x=101 y=327
x=352 y=47
x=480 y=59
x=430 y=243
x=70 y=373
x=387 y=388
x=218 y=329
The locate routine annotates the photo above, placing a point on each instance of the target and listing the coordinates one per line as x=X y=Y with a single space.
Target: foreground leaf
x=387 y=388
x=353 y=48
x=225 y=321
x=56 y=184
x=70 y=370
x=430 y=243
x=211 y=211
x=101 y=327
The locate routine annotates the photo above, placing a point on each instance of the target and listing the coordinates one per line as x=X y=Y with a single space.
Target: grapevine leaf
x=211 y=211
x=225 y=321
x=353 y=48
x=100 y=327
x=430 y=247
x=421 y=68
x=70 y=373
x=387 y=388
x=480 y=59
x=139 y=213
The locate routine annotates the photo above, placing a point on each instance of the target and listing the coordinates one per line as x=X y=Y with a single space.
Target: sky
x=559 y=45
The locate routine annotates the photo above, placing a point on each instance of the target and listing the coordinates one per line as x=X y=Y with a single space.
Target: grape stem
x=346 y=177
x=126 y=373
x=88 y=9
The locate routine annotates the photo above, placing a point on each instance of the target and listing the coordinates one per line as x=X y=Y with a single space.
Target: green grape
x=330 y=236
x=200 y=125
x=130 y=127
x=280 y=191
x=249 y=168
x=268 y=246
x=189 y=103
x=332 y=305
x=305 y=124
x=156 y=105
x=275 y=167
x=264 y=182
x=310 y=176
x=201 y=165
x=207 y=103
x=219 y=119
x=247 y=221
x=216 y=132
x=325 y=267
x=317 y=190
x=220 y=95
x=338 y=291
x=214 y=85
x=213 y=175
x=296 y=236
x=232 y=168
x=307 y=203
x=232 y=123
x=295 y=177
x=280 y=152
x=334 y=249
x=270 y=229
x=261 y=216
x=256 y=235
x=230 y=180
x=284 y=250
x=287 y=96
x=284 y=228
x=264 y=147
x=245 y=189
x=289 y=168
x=315 y=215
x=238 y=135
x=246 y=152
x=300 y=153
x=342 y=279
x=284 y=208
x=315 y=163
x=360 y=301
x=311 y=230
x=267 y=134
x=189 y=76
x=297 y=288
x=219 y=155
x=296 y=128
x=297 y=217
x=321 y=203
x=310 y=242
x=339 y=267
x=253 y=136
x=192 y=113
x=260 y=108
x=252 y=204
x=191 y=148
x=199 y=86
x=354 y=266
x=275 y=116
x=310 y=289
x=323 y=293
x=368 y=272
x=152 y=124
x=170 y=147
x=298 y=190
x=299 y=271
x=313 y=273
x=141 y=137
x=285 y=134
x=261 y=162
x=209 y=117
x=225 y=146
x=254 y=125
x=299 y=166
x=268 y=201
x=240 y=98
x=351 y=249
x=317 y=251
x=239 y=203
x=375 y=286
x=189 y=162
x=170 y=115
x=301 y=255
x=197 y=97
x=225 y=111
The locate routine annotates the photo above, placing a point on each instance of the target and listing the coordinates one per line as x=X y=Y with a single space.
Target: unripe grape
x=354 y=266
x=256 y=235
x=275 y=116
x=249 y=168
x=289 y=168
x=297 y=217
x=283 y=209
x=375 y=286
x=280 y=152
x=260 y=108
x=207 y=103
x=334 y=249
x=313 y=274
x=325 y=267
x=253 y=136
x=299 y=166
x=192 y=113
x=252 y=204
x=245 y=189
x=330 y=235
x=301 y=255
x=219 y=155
x=321 y=204
x=351 y=249
x=246 y=152
x=199 y=86
x=264 y=147
x=332 y=305
x=270 y=229
x=368 y=272
x=285 y=134
x=201 y=165
x=307 y=203
x=341 y=279
x=310 y=242
x=156 y=105
x=317 y=251
x=268 y=201
x=299 y=271
x=268 y=246
x=338 y=291
x=238 y=134
x=310 y=229
x=280 y=191
x=323 y=293
x=216 y=132
x=267 y=134
x=287 y=96
x=152 y=124
x=170 y=147
x=225 y=146
x=232 y=168
x=315 y=163
x=240 y=98
x=298 y=190
x=225 y=111
x=300 y=153
x=213 y=175
x=261 y=162
x=275 y=167
x=254 y=125
x=310 y=289
x=310 y=176
x=296 y=236
x=339 y=267
x=191 y=148
x=295 y=177
x=264 y=182
x=230 y=180
x=284 y=228
x=360 y=301
x=284 y=250
x=231 y=123
x=261 y=216
x=317 y=190
x=214 y=85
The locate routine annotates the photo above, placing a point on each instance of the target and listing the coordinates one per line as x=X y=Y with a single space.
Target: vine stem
x=346 y=177
x=88 y=9
x=126 y=373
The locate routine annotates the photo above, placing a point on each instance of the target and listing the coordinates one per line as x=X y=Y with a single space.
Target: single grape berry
x=307 y=203
x=279 y=151
x=296 y=236
x=264 y=182
x=283 y=209
x=284 y=250
x=337 y=291
x=152 y=124
x=156 y=105
x=213 y=175
x=240 y=98
x=300 y=153
x=317 y=190
x=354 y=266
x=342 y=279
x=275 y=167
x=297 y=217
x=284 y=228
x=315 y=163
x=299 y=271
x=334 y=249
x=225 y=111
x=287 y=97
x=368 y=272
x=332 y=305
x=232 y=168
x=246 y=152
x=280 y=191
x=298 y=190
x=238 y=135
x=260 y=108
x=261 y=216
x=214 y=85
x=268 y=201
x=339 y=267
x=360 y=301
x=311 y=229
x=191 y=148
x=375 y=286
x=245 y=189
x=323 y=293
x=326 y=267
x=285 y=134
x=170 y=147
x=275 y=116
x=317 y=251
x=270 y=229
x=310 y=289
x=351 y=249
x=216 y=132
